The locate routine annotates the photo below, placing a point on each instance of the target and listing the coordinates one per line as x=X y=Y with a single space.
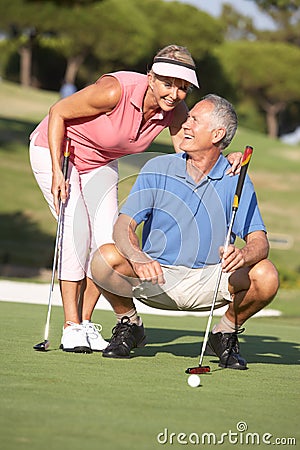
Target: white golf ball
x=194 y=380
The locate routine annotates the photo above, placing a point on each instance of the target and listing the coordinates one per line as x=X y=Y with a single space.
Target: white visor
x=175 y=69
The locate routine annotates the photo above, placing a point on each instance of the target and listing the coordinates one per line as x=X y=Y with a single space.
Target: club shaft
x=244 y=167
x=227 y=242
x=57 y=238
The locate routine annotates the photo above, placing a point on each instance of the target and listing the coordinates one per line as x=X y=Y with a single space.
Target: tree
x=283 y=12
x=124 y=34
x=73 y=25
x=286 y=15
x=178 y=23
x=17 y=22
x=70 y=22
x=115 y=32
x=236 y=25
x=267 y=72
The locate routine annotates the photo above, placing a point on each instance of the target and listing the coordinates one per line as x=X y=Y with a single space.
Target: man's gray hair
x=223 y=116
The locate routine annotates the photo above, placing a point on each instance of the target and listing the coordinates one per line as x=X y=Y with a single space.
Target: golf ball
x=194 y=380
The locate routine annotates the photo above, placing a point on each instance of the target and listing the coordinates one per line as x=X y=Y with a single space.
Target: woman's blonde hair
x=176 y=52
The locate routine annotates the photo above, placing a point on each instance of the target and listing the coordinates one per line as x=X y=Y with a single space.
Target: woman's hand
x=59 y=189
x=234 y=159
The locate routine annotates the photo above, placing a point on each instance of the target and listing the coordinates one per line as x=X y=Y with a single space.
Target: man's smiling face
x=198 y=128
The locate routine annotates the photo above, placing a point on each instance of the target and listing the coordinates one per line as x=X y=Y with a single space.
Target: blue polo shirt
x=185 y=222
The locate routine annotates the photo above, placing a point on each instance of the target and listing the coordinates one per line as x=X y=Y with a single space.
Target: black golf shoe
x=226 y=347
x=125 y=337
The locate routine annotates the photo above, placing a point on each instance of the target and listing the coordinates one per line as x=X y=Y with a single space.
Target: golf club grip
x=244 y=167
x=65 y=163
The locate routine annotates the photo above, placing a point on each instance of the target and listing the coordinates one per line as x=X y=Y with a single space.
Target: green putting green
x=63 y=401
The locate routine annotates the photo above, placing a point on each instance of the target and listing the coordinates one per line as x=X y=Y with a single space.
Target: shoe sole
x=80 y=349
x=97 y=350
x=107 y=355
x=142 y=343
x=233 y=367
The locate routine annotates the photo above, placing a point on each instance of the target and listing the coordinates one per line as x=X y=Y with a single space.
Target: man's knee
x=265 y=277
x=104 y=260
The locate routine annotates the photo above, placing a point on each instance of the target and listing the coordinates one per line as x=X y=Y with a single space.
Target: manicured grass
x=64 y=401
x=25 y=102
x=69 y=402
x=26 y=226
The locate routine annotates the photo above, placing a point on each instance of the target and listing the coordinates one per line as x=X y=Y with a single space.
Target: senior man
x=184 y=202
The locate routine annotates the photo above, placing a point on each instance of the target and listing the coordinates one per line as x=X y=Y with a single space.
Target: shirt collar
x=216 y=173
x=219 y=169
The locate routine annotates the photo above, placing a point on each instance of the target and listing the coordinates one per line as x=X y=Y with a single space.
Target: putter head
x=198 y=370
x=42 y=346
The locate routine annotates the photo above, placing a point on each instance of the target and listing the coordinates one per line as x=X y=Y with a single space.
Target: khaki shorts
x=185 y=289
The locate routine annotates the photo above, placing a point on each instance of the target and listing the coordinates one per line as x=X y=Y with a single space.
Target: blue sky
x=246 y=7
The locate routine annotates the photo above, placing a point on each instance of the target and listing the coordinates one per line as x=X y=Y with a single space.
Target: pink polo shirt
x=118 y=133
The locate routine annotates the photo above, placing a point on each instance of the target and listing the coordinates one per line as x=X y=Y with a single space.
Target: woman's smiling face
x=168 y=92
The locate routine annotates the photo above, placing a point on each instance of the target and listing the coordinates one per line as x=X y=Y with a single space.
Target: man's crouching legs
x=253 y=288
x=115 y=278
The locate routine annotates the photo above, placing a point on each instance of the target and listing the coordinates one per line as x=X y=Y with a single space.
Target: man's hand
x=127 y=243
x=149 y=270
x=232 y=259
x=256 y=249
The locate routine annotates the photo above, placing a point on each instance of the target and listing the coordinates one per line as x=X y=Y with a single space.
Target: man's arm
x=255 y=250
x=127 y=243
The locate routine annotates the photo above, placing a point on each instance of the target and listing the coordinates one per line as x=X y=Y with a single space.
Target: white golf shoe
x=93 y=333
x=74 y=339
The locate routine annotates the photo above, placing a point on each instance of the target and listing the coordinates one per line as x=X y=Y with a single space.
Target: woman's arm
x=96 y=99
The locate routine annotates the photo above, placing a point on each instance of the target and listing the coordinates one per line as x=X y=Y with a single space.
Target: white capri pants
x=89 y=213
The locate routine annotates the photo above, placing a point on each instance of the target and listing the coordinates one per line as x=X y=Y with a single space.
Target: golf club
x=244 y=167
x=43 y=346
